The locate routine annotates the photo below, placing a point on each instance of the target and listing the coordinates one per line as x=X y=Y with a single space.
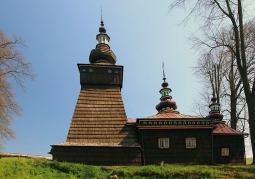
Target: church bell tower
x=98 y=133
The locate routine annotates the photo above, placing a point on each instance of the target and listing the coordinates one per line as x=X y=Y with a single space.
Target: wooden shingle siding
x=99 y=114
x=98 y=133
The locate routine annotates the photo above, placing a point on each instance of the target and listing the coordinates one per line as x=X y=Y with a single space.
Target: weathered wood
x=125 y=156
x=236 y=149
x=177 y=152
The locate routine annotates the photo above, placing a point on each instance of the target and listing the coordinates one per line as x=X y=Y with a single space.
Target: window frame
x=225 y=154
x=165 y=143
x=190 y=145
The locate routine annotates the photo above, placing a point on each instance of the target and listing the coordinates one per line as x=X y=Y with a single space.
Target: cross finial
x=164 y=77
x=102 y=22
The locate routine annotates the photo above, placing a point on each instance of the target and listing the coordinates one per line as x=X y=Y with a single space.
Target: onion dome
x=215 y=110
x=102 y=54
x=102 y=28
x=166 y=102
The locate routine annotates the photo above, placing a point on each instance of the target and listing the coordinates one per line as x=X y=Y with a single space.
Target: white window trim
x=163 y=143
x=191 y=142
x=225 y=151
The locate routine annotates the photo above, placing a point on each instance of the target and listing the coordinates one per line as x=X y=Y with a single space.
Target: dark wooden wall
x=100 y=74
x=177 y=153
x=236 y=152
x=109 y=156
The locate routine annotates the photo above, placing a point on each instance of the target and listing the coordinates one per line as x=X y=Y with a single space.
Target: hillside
x=24 y=168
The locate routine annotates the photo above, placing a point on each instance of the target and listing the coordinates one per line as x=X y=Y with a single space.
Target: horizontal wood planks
x=177 y=151
x=125 y=156
x=236 y=149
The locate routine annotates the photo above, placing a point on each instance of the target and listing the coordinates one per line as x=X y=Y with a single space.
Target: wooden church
x=101 y=134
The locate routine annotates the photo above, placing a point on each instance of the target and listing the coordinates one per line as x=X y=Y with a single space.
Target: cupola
x=102 y=37
x=166 y=103
x=102 y=54
x=215 y=110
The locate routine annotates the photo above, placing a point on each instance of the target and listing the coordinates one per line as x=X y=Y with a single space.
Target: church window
x=163 y=143
x=90 y=70
x=191 y=143
x=116 y=71
x=225 y=152
x=109 y=71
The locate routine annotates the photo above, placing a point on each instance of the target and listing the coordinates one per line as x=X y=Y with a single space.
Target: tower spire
x=102 y=53
x=164 y=77
x=166 y=103
x=102 y=22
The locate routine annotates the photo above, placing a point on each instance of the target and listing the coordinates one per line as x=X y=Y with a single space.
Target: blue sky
x=61 y=33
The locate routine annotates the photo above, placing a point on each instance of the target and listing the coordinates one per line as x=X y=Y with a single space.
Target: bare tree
x=215 y=15
x=219 y=76
x=13 y=68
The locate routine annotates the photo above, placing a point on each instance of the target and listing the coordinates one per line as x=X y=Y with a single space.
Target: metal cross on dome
x=164 y=77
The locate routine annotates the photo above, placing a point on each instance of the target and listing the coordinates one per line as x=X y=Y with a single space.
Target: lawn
x=24 y=168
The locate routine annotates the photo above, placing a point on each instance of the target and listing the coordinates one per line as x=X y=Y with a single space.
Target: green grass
x=44 y=169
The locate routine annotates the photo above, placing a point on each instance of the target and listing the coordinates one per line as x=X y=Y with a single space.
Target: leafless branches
x=12 y=67
x=223 y=25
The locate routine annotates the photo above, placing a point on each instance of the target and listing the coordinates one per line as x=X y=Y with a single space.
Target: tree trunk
x=233 y=95
x=233 y=117
x=251 y=110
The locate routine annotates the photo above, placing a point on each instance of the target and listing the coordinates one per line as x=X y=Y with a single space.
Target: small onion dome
x=102 y=53
x=166 y=102
x=215 y=110
x=165 y=83
x=102 y=28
